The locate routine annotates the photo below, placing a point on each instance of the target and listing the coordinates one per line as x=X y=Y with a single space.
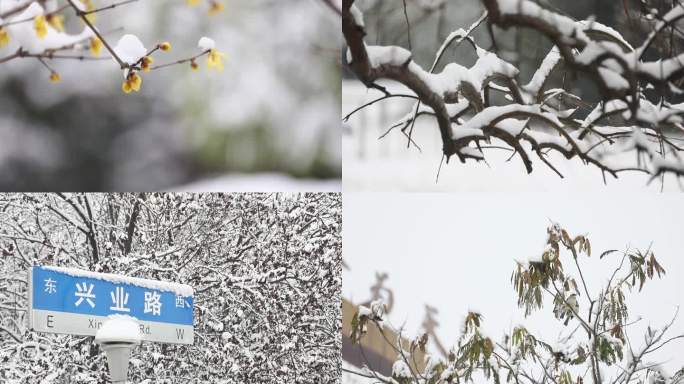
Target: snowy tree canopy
x=488 y=106
x=265 y=269
x=36 y=29
x=599 y=344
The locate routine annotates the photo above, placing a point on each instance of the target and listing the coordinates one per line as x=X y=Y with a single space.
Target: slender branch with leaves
x=598 y=349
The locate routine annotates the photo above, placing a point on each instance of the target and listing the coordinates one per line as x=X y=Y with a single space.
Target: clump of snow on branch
x=130 y=49
x=206 y=43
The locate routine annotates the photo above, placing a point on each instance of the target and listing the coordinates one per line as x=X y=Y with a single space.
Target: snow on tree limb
x=595 y=51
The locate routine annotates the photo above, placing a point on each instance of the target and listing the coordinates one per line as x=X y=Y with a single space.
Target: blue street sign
x=77 y=302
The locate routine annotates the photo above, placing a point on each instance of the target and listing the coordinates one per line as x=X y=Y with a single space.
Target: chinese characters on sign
x=50 y=286
x=180 y=303
x=120 y=299
x=85 y=293
x=152 y=303
x=77 y=302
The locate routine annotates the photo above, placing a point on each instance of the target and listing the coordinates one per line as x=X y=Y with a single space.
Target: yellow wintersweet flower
x=95 y=46
x=165 y=46
x=4 y=37
x=215 y=60
x=40 y=26
x=215 y=7
x=89 y=6
x=54 y=77
x=192 y=3
x=56 y=21
x=145 y=64
x=132 y=83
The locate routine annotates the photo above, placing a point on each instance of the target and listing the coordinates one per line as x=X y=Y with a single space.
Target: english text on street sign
x=78 y=302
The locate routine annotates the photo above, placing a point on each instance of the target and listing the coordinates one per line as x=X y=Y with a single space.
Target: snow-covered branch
x=538 y=118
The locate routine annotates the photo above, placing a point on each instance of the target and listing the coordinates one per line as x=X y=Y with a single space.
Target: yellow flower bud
x=40 y=26
x=95 y=46
x=145 y=64
x=215 y=60
x=215 y=7
x=132 y=83
x=90 y=6
x=165 y=46
x=54 y=77
x=4 y=37
x=56 y=21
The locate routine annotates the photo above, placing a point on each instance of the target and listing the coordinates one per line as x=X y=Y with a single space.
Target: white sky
x=456 y=252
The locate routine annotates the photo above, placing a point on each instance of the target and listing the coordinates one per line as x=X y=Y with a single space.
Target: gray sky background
x=457 y=251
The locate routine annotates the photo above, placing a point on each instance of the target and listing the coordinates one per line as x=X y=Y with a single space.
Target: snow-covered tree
x=265 y=269
x=600 y=345
x=489 y=106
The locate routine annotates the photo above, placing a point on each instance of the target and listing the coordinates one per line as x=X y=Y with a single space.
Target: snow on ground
x=387 y=164
x=262 y=182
